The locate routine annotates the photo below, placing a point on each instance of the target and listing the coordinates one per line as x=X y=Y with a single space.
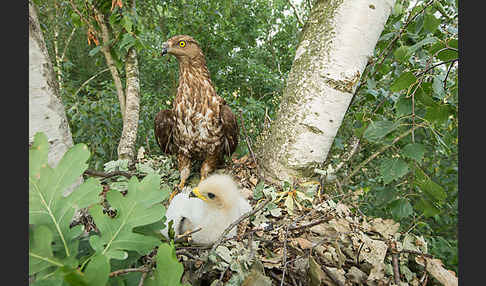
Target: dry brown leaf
x=303 y=243
x=386 y=227
x=316 y=274
x=341 y=225
x=374 y=252
x=437 y=270
x=357 y=276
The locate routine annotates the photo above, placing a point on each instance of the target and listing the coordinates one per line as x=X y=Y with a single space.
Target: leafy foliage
x=58 y=253
x=411 y=81
x=140 y=206
x=51 y=212
x=169 y=270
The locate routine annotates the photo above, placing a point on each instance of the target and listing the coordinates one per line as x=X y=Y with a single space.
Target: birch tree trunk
x=336 y=43
x=46 y=111
x=126 y=147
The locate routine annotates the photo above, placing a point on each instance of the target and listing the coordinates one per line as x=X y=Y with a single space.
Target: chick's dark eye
x=211 y=195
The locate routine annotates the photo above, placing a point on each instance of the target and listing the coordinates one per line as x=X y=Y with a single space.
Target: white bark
x=126 y=147
x=46 y=111
x=336 y=43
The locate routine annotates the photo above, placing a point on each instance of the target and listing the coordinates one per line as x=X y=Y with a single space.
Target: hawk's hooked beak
x=165 y=47
x=195 y=193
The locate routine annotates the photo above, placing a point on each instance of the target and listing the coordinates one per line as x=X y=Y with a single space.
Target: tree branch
x=67 y=44
x=90 y=79
x=381 y=150
x=296 y=13
x=105 y=48
x=124 y=271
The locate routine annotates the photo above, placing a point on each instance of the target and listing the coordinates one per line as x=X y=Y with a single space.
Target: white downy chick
x=217 y=204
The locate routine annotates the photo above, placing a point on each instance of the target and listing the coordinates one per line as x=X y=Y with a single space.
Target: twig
x=381 y=150
x=293 y=279
x=124 y=271
x=185 y=253
x=416 y=252
x=278 y=278
x=359 y=251
x=108 y=175
x=142 y=279
x=295 y=13
x=67 y=43
x=86 y=21
x=235 y=223
x=144 y=275
x=447 y=74
x=221 y=238
x=90 y=79
x=312 y=223
x=148 y=146
x=388 y=49
x=354 y=148
x=249 y=147
x=222 y=273
x=285 y=255
x=394 y=253
x=437 y=64
x=181 y=236
x=396 y=272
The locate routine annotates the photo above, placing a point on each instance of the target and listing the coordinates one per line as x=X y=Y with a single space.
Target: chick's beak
x=195 y=193
x=165 y=47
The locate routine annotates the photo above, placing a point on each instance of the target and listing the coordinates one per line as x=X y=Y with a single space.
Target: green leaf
x=392 y=169
x=75 y=19
x=429 y=187
x=414 y=151
x=258 y=191
x=430 y=23
x=397 y=9
x=97 y=270
x=403 y=81
x=127 y=42
x=403 y=106
x=152 y=229
x=289 y=204
x=379 y=129
x=433 y=189
x=426 y=41
x=438 y=87
x=127 y=23
x=401 y=209
x=140 y=206
x=73 y=276
x=423 y=97
x=94 y=51
x=402 y=54
x=169 y=270
x=428 y=209
x=40 y=250
x=384 y=195
x=47 y=204
x=437 y=114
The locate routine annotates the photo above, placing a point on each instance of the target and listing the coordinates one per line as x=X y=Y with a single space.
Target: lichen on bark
x=325 y=72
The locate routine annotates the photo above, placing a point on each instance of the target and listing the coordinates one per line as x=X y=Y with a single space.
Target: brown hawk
x=200 y=125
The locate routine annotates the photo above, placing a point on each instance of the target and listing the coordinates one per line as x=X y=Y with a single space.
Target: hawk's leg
x=184 y=164
x=209 y=165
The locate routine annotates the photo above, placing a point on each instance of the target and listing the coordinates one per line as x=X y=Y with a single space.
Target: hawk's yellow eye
x=182 y=44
